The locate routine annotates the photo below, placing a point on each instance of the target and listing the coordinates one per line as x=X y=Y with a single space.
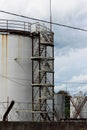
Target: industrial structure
x=71 y=107
x=79 y=107
x=27 y=76
x=42 y=74
x=27 y=71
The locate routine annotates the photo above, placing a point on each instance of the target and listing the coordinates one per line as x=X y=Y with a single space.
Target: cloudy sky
x=70 y=45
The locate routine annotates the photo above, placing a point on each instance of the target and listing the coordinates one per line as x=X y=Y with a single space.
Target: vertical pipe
x=45 y=86
x=8 y=110
x=6 y=73
x=50 y=17
x=32 y=80
x=39 y=76
x=53 y=76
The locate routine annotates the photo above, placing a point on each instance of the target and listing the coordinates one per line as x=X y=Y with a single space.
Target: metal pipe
x=8 y=110
x=50 y=17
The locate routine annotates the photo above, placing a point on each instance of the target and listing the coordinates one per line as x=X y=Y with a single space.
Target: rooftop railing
x=15 y=25
x=18 y=25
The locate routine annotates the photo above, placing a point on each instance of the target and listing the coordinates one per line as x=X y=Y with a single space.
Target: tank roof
x=15 y=27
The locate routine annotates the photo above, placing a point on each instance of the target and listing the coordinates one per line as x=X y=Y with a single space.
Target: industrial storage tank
x=60 y=105
x=15 y=67
x=26 y=71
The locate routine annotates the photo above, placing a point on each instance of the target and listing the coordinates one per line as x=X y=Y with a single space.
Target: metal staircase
x=42 y=74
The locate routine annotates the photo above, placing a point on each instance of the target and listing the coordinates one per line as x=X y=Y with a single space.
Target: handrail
x=40 y=27
x=18 y=25
x=15 y=25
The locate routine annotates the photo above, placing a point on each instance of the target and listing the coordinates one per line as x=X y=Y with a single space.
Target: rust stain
x=4 y=63
x=2 y=53
x=6 y=54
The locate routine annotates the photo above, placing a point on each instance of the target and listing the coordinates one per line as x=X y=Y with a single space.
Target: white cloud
x=68 y=65
x=31 y=8
x=81 y=81
x=71 y=68
x=68 y=11
x=80 y=78
x=74 y=85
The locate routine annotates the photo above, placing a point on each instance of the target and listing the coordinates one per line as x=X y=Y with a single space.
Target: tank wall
x=60 y=105
x=15 y=68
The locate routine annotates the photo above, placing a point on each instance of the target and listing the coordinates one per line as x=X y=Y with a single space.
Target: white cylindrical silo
x=59 y=105
x=15 y=73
